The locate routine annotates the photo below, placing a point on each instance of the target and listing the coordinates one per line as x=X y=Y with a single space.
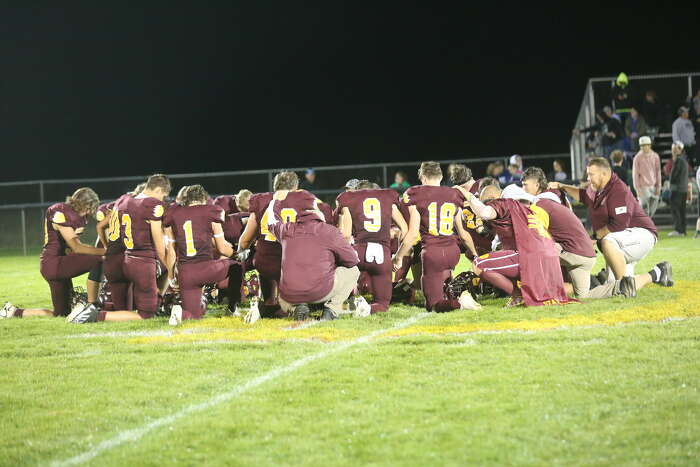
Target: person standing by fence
x=646 y=176
x=679 y=189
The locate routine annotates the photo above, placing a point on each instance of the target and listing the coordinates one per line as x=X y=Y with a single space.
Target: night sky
x=96 y=91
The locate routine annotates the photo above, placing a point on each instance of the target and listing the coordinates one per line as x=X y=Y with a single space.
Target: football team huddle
x=290 y=255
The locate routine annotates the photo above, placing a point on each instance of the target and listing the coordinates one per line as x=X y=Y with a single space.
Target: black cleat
x=628 y=287
x=666 y=276
x=594 y=282
x=327 y=314
x=602 y=276
x=301 y=312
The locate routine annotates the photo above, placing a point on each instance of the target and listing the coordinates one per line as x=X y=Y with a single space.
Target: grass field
x=612 y=382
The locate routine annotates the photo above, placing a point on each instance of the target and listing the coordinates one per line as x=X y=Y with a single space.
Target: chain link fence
x=22 y=204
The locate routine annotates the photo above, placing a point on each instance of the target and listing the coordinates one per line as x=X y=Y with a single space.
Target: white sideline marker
x=136 y=433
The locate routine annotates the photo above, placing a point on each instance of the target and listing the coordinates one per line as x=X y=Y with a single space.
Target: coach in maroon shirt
x=318 y=264
x=624 y=232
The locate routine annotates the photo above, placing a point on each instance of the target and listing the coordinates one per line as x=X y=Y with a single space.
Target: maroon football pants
x=270 y=269
x=500 y=269
x=438 y=263
x=119 y=285
x=379 y=276
x=59 y=272
x=141 y=272
x=193 y=276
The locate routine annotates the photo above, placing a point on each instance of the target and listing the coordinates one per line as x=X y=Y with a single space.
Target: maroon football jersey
x=503 y=224
x=103 y=211
x=473 y=224
x=135 y=229
x=233 y=227
x=227 y=203
x=296 y=201
x=437 y=206
x=64 y=215
x=192 y=230
x=370 y=211
x=114 y=243
x=566 y=229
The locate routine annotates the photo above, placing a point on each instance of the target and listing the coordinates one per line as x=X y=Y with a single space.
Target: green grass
x=605 y=395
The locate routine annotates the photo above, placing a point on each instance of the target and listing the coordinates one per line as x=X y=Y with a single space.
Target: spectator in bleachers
x=517 y=159
x=309 y=182
x=684 y=132
x=652 y=111
x=679 y=189
x=612 y=132
x=635 y=126
x=646 y=176
x=619 y=165
x=400 y=182
x=512 y=175
x=495 y=170
x=622 y=96
x=558 y=174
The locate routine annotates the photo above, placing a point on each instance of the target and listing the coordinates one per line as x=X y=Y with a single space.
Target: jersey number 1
x=189 y=238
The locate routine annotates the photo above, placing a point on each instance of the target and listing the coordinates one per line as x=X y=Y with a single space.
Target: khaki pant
x=579 y=269
x=648 y=200
x=344 y=281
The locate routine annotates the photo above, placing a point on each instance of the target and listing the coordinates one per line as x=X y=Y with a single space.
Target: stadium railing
x=673 y=90
x=22 y=203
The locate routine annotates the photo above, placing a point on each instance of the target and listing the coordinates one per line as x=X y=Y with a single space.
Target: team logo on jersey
x=58 y=218
x=158 y=210
x=620 y=210
x=100 y=216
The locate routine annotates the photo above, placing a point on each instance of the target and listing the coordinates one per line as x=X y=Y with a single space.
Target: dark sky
x=97 y=91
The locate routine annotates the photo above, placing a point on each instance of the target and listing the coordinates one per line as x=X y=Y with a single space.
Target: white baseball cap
x=515 y=192
x=679 y=144
x=644 y=140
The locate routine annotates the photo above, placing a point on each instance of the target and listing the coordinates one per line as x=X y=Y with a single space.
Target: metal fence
x=22 y=204
x=673 y=89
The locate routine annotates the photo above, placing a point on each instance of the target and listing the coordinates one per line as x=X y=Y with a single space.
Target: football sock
x=101 y=316
x=498 y=280
x=19 y=312
x=655 y=274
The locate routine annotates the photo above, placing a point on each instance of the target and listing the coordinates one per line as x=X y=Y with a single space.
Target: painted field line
x=95 y=335
x=135 y=434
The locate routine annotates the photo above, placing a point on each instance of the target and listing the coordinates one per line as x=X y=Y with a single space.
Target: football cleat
x=666 y=277
x=362 y=308
x=514 y=301
x=253 y=314
x=175 y=315
x=233 y=310
x=87 y=315
x=602 y=276
x=301 y=312
x=628 y=287
x=328 y=314
x=467 y=302
x=8 y=311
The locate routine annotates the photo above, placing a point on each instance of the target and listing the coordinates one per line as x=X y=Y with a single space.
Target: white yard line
x=95 y=335
x=135 y=434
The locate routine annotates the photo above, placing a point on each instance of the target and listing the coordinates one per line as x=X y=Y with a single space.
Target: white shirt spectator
x=683 y=131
